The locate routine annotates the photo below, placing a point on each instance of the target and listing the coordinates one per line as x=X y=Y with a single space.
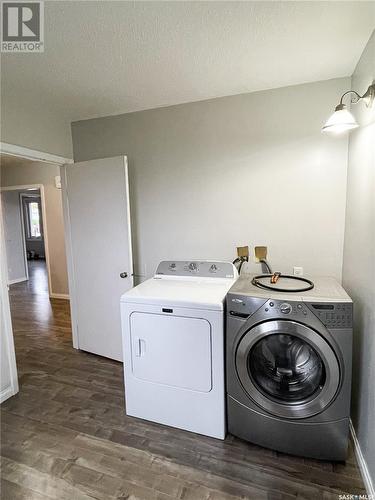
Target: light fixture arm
x=342 y=119
x=353 y=100
x=368 y=97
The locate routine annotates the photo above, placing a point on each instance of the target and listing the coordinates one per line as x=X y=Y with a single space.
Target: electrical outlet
x=298 y=271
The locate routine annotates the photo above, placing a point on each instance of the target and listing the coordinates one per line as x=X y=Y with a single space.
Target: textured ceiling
x=105 y=58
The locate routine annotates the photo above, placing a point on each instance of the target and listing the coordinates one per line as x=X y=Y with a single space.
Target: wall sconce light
x=342 y=119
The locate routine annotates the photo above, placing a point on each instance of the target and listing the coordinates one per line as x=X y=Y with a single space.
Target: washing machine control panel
x=295 y=309
x=334 y=315
x=285 y=308
x=196 y=268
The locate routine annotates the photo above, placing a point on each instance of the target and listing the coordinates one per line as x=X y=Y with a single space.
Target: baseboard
x=365 y=473
x=18 y=280
x=63 y=296
x=6 y=393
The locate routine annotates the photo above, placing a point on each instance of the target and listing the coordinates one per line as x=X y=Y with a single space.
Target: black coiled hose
x=255 y=281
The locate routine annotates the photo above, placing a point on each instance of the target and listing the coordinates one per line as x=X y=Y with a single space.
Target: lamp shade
x=341 y=121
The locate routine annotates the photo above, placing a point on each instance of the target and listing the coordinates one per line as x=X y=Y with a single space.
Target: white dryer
x=173 y=344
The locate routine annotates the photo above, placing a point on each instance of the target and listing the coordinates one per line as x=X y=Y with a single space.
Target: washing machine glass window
x=287 y=368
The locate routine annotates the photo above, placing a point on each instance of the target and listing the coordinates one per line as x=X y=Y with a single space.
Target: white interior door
x=14 y=237
x=97 y=225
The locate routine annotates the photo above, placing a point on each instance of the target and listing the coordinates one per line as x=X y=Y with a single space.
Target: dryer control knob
x=285 y=308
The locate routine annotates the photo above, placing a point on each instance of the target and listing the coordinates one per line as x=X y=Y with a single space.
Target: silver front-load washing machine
x=289 y=359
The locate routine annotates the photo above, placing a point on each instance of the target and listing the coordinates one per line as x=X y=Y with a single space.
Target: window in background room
x=33 y=219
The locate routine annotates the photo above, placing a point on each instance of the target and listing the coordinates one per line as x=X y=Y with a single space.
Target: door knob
x=123 y=275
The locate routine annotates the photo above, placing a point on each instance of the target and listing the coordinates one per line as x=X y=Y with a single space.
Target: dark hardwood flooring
x=66 y=434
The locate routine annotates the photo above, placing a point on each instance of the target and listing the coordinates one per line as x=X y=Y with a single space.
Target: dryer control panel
x=196 y=268
x=332 y=314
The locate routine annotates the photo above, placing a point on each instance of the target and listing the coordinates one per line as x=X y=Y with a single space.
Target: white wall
x=208 y=176
x=14 y=237
x=359 y=257
x=30 y=172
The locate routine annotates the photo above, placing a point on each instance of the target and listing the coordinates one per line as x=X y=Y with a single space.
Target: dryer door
x=287 y=368
x=171 y=350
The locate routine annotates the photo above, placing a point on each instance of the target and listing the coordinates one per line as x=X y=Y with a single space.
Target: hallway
x=66 y=435
x=38 y=278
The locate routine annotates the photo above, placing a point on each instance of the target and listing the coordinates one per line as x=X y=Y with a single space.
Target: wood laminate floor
x=66 y=434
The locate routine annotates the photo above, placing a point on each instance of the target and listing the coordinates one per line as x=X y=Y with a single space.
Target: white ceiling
x=105 y=58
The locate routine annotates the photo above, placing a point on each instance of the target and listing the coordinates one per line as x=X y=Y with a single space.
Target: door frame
x=12 y=388
x=45 y=227
x=23 y=237
x=29 y=154
x=69 y=258
x=40 y=156
x=32 y=154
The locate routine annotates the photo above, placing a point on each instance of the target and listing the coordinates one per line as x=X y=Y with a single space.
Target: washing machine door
x=287 y=368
